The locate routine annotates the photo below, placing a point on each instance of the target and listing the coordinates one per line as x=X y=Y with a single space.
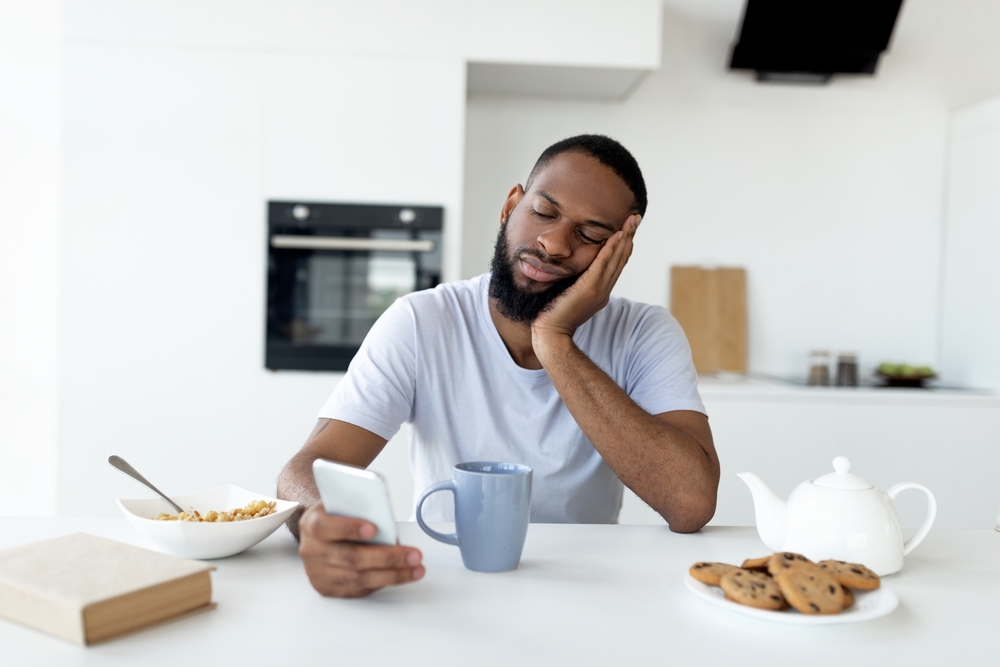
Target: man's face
x=552 y=233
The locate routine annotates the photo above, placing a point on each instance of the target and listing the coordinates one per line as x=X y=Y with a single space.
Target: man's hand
x=590 y=292
x=338 y=562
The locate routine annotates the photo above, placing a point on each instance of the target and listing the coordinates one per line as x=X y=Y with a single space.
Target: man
x=533 y=363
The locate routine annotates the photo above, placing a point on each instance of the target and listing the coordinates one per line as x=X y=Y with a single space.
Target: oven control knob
x=300 y=212
x=407 y=215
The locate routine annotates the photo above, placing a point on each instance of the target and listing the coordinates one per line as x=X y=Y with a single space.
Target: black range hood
x=811 y=40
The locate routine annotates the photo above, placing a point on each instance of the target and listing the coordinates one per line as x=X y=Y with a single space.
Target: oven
x=332 y=269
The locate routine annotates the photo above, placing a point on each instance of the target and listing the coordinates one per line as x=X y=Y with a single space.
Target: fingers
x=364 y=556
x=329 y=528
x=376 y=579
x=339 y=565
x=624 y=246
x=343 y=583
x=615 y=254
x=622 y=240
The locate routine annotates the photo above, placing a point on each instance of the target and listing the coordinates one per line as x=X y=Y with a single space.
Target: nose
x=556 y=241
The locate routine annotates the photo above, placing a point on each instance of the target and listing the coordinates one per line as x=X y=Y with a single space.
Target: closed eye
x=583 y=236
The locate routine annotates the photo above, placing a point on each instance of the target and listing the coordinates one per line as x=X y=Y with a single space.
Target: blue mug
x=492 y=506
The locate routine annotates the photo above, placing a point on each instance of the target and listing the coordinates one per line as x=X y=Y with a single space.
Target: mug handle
x=446 y=485
x=921 y=533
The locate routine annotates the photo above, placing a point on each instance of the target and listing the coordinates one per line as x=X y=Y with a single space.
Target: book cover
x=86 y=589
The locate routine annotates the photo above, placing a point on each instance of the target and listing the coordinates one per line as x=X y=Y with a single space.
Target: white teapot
x=839 y=515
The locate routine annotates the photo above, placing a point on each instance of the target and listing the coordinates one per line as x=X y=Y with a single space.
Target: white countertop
x=763 y=388
x=584 y=595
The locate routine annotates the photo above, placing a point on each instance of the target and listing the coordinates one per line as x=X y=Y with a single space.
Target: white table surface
x=583 y=595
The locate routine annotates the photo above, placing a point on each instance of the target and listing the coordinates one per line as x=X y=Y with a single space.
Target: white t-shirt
x=434 y=359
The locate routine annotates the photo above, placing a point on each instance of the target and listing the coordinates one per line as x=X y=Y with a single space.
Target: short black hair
x=605 y=150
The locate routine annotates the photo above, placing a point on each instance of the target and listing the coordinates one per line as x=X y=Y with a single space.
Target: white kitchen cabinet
x=162 y=266
x=30 y=178
x=622 y=35
x=971 y=295
x=586 y=48
x=948 y=441
x=581 y=33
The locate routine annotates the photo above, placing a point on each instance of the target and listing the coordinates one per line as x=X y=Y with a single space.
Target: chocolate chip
x=833 y=591
x=812 y=605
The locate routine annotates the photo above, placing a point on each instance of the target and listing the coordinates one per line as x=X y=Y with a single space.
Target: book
x=88 y=589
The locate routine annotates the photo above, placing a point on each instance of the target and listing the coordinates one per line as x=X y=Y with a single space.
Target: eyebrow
x=597 y=223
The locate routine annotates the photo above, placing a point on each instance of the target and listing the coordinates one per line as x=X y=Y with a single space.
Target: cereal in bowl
x=253 y=510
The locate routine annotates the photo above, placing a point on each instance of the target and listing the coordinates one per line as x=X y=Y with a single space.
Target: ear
x=514 y=197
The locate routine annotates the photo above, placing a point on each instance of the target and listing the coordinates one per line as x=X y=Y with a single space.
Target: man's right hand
x=340 y=564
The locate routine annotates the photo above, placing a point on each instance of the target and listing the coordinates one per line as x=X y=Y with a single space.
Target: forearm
x=296 y=483
x=664 y=465
x=333 y=440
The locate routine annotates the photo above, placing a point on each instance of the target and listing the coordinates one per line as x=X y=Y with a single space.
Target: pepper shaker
x=847 y=369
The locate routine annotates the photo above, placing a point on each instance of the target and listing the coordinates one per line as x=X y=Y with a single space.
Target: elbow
x=693 y=516
x=686 y=526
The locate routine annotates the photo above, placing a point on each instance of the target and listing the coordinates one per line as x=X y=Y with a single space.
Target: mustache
x=540 y=255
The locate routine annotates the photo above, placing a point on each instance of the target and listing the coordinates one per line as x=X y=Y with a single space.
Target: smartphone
x=357 y=493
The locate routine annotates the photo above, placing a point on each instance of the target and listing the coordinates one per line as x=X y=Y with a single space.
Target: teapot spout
x=770 y=511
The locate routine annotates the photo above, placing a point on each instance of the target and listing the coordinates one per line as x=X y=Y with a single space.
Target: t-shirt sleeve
x=661 y=375
x=377 y=391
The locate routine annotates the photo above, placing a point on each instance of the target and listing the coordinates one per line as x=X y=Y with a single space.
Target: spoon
x=122 y=464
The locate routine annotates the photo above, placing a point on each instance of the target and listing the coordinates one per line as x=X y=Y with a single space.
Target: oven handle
x=349 y=243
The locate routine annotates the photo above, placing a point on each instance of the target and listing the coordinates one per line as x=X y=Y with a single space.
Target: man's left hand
x=590 y=292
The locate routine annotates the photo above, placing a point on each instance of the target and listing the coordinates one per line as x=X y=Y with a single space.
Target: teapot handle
x=912 y=543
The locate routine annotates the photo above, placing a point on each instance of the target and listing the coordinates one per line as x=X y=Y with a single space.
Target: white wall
x=970 y=350
x=30 y=163
x=832 y=197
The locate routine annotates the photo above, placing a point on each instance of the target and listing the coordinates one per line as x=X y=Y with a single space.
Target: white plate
x=867 y=606
x=204 y=540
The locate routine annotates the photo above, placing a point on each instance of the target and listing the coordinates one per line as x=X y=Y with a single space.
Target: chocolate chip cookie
x=852 y=575
x=752 y=589
x=710 y=573
x=808 y=587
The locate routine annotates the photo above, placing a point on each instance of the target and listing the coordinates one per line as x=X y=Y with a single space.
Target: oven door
x=325 y=292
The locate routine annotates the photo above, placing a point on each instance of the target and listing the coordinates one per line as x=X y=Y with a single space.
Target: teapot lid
x=843 y=478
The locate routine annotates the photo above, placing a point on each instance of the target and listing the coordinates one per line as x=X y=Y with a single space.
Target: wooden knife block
x=711 y=307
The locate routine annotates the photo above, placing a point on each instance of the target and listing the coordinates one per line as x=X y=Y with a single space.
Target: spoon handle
x=122 y=464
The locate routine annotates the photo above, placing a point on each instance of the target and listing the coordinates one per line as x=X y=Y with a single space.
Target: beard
x=515 y=303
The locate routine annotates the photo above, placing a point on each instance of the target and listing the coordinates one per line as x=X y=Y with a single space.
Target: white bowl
x=204 y=540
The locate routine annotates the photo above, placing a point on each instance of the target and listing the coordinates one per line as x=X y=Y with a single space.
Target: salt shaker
x=847 y=369
x=819 y=368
